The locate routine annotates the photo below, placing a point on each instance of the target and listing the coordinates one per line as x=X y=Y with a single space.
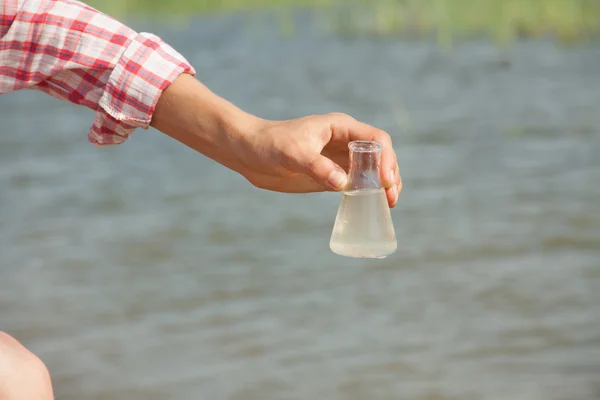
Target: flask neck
x=364 y=167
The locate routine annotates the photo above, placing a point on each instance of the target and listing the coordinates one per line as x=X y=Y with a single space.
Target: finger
x=388 y=166
x=298 y=183
x=394 y=192
x=357 y=130
x=398 y=180
x=392 y=196
x=325 y=172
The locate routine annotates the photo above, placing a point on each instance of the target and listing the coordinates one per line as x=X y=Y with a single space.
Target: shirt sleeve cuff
x=146 y=68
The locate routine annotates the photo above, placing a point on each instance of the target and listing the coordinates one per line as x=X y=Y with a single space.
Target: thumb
x=327 y=173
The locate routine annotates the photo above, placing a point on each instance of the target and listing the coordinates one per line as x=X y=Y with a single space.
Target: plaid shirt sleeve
x=78 y=54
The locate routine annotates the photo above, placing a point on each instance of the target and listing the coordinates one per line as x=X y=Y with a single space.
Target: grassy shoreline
x=449 y=20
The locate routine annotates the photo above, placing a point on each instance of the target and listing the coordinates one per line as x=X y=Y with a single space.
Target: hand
x=302 y=155
x=311 y=154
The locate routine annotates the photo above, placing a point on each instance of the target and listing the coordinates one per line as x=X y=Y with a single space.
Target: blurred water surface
x=146 y=271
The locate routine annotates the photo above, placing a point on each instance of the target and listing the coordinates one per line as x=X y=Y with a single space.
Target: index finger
x=361 y=131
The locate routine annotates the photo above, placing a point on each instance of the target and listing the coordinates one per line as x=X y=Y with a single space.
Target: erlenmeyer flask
x=363 y=225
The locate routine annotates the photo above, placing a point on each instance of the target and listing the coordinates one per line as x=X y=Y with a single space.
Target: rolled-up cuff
x=146 y=68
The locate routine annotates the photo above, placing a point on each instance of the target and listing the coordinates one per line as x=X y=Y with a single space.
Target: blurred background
x=147 y=271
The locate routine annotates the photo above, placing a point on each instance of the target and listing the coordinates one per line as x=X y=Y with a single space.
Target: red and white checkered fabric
x=75 y=53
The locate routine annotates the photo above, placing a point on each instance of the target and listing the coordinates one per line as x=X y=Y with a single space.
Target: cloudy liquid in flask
x=363 y=226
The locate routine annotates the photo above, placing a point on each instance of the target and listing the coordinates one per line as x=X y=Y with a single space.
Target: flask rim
x=364 y=146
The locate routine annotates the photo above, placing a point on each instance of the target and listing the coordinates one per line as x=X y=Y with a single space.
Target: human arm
x=23 y=375
x=294 y=156
x=131 y=80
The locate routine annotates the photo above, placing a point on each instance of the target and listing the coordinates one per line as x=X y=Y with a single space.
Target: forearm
x=192 y=114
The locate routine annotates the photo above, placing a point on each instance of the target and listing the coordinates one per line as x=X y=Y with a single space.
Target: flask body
x=363 y=226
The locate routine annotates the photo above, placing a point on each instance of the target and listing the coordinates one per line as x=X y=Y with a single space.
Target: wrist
x=227 y=132
x=234 y=126
x=195 y=116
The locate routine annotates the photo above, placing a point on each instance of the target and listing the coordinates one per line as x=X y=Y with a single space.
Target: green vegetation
x=177 y=8
x=505 y=20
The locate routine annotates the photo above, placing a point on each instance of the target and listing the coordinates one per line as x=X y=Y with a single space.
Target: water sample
x=363 y=225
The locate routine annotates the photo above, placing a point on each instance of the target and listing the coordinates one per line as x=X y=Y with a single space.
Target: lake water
x=147 y=271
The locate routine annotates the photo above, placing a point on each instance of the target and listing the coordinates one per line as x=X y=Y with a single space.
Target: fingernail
x=394 y=193
x=336 y=179
x=392 y=176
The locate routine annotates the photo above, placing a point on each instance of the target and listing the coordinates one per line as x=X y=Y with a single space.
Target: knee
x=22 y=374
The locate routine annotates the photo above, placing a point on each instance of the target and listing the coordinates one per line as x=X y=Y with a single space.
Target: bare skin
x=302 y=155
x=23 y=376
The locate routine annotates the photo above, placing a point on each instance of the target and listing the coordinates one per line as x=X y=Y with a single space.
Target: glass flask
x=363 y=225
